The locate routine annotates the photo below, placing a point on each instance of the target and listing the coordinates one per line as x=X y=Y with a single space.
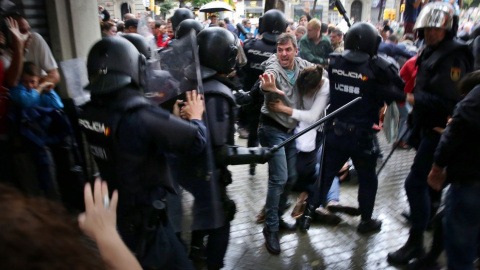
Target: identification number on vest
x=347 y=88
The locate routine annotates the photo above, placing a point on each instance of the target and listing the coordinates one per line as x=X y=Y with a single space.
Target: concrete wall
x=366 y=8
x=74 y=28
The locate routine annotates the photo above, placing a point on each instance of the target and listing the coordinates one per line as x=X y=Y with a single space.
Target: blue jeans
x=462 y=226
x=416 y=183
x=334 y=192
x=282 y=173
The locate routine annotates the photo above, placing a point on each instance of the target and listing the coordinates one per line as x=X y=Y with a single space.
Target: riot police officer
x=217 y=54
x=442 y=63
x=180 y=15
x=357 y=72
x=272 y=24
x=186 y=26
x=129 y=138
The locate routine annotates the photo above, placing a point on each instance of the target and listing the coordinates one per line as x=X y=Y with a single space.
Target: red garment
x=409 y=73
x=163 y=44
x=159 y=40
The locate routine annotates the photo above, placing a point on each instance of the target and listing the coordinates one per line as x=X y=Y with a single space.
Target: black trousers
x=162 y=249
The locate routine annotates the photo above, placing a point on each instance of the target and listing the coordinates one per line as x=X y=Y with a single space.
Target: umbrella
x=216 y=6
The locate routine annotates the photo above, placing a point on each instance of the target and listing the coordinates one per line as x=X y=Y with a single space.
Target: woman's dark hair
x=309 y=80
x=39 y=234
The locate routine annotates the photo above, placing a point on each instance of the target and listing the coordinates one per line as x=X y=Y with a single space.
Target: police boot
x=197 y=247
x=412 y=249
x=425 y=262
x=304 y=221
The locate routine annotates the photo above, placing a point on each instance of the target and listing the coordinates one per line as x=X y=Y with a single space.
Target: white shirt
x=40 y=54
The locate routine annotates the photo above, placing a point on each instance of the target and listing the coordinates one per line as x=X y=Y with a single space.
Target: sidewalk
x=322 y=247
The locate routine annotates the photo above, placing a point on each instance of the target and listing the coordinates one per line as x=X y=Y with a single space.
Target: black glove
x=242 y=97
x=236 y=155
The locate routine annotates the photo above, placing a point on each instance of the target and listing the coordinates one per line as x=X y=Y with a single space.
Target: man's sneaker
x=336 y=207
x=405 y=254
x=368 y=226
x=271 y=241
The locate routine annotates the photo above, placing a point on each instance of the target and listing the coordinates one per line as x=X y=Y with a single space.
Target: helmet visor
x=435 y=15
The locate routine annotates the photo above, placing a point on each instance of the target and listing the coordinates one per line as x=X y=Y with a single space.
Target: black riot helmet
x=272 y=24
x=186 y=25
x=180 y=15
x=362 y=37
x=114 y=62
x=140 y=43
x=217 y=49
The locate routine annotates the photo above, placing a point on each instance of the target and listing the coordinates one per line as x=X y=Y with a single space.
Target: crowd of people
x=146 y=122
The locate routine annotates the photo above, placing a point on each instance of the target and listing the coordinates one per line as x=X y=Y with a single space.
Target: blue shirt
x=393 y=50
x=242 y=37
x=29 y=98
x=291 y=75
x=410 y=14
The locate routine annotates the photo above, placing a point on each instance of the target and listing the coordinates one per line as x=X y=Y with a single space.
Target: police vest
x=257 y=51
x=212 y=88
x=130 y=173
x=348 y=81
x=430 y=63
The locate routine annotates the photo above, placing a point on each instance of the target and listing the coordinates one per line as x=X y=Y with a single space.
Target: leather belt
x=268 y=121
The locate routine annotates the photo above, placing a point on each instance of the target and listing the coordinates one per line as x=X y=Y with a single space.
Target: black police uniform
x=257 y=51
x=129 y=138
x=350 y=134
x=217 y=54
x=208 y=176
x=439 y=70
x=211 y=166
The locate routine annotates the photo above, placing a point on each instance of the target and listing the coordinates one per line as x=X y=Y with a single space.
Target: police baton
x=342 y=11
x=275 y=148
x=393 y=149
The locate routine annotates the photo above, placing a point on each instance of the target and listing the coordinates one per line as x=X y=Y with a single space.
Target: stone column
x=74 y=27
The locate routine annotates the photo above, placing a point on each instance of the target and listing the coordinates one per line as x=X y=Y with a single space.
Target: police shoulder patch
x=455 y=73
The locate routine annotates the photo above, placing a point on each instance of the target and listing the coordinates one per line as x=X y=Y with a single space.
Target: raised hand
x=18 y=39
x=100 y=217
x=268 y=83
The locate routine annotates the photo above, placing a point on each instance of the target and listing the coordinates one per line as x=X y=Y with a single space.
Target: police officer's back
x=357 y=72
x=129 y=136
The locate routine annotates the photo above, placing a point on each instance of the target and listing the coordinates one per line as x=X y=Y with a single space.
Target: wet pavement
x=323 y=246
